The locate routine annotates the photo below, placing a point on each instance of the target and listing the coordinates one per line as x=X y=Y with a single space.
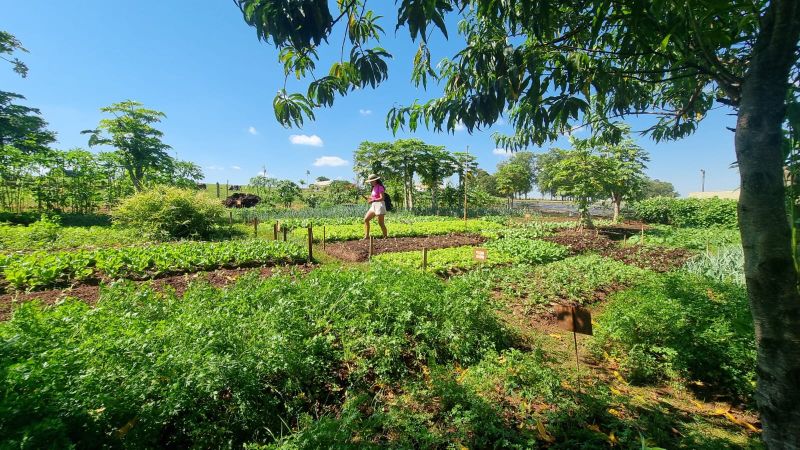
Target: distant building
x=731 y=195
x=321 y=184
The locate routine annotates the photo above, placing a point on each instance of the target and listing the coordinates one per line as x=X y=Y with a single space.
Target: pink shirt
x=377 y=190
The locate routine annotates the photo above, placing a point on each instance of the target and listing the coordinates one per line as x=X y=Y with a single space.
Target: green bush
x=687 y=212
x=681 y=326
x=170 y=213
x=220 y=368
x=691 y=238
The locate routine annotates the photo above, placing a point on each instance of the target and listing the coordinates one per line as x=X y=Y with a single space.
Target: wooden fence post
x=424 y=259
x=230 y=218
x=275 y=231
x=310 y=244
x=217 y=189
x=255 y=227
x=285 y=229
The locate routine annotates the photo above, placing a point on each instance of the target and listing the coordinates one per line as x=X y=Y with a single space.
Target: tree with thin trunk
x=551 y=67
x=138 y=143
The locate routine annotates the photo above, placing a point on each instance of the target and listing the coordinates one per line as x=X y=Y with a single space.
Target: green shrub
x=220 y=368
x=690 y=238
x=687 y=212
x=170 y=213
x=681 y=326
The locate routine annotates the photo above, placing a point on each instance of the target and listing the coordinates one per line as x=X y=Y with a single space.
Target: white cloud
x=365 y=112
x=302 y=139
x=252 y=130
x=460 y=126
x=236 y=168
x=501 y=152
x=330 y=161
x=215 y=168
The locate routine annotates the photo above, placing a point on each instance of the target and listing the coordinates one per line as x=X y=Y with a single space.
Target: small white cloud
x=460 y=126
x=365 y=112
x=252 y=130
x=302 y=139
x=215 y=168
x=330 y=161
x=236 y=168
x=501 y=152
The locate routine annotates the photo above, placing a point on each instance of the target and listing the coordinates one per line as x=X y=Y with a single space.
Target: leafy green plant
x=170 y=213
x=444 y=260
x=529 y=251
x=46 y=269
x=581 y=279
x=687 y=211
x=221 y=368
x=724 y=265
x=691 y=238
x=425 y=228
x=681 y=326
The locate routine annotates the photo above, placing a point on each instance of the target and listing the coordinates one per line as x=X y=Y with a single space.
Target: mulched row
x=582 y=241
x=358 y=251
x=90 y=292
x=658 y=259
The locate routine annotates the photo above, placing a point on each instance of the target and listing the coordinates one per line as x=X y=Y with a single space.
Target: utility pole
x=702 y=180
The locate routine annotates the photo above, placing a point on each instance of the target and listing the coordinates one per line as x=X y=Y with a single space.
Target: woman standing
x=377 y=205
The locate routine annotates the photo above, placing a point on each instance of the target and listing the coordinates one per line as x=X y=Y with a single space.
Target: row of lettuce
x=43 y=269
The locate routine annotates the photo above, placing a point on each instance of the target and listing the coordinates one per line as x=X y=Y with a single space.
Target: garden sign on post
x=577 y=320
x=480 y=254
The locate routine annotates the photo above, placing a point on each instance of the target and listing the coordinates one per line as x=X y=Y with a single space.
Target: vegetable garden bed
x=357 y=251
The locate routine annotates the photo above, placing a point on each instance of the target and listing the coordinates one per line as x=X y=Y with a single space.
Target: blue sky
x=204 y=67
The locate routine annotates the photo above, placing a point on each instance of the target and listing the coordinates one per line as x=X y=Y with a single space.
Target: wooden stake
x=424 y=259
x=230 y=218
x=577 y=362
x=369 y=254
x=275 y=231
x=642 y=243
x=310 y=244
x=323 y=238
x=284 y=233
x=255 y=227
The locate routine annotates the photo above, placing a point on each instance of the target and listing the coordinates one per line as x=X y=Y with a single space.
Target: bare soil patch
x=581 y=241
x=358 y=251
x=90 y=292
x=658 y=259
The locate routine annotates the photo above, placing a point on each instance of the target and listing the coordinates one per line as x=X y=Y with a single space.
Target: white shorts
x=379 y=208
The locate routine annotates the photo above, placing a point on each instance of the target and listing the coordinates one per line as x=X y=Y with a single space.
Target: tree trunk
x=617 y=203
x=769 y=266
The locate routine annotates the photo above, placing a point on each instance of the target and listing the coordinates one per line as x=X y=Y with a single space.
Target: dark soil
x=659 y=259
x=622 y=230
x=581 y=241
x=357 y=251
x=90 y=292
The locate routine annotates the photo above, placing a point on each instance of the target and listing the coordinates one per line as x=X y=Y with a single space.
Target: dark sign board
x=574 y=318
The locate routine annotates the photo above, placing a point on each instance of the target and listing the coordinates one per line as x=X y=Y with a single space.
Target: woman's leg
x=383 y=226
x=367 y=218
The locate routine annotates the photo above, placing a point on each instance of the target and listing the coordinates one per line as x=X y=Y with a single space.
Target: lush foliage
x=681 y=326
x=44 y=269
x=444 y=261
x=424 y=228
x=170 y=213
x=221 y=368
x=50 y=234
x=529 y=251
x=657 y=188
x=726 y=264
x=691 y=238
x=687 y=212
x=580 y=279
